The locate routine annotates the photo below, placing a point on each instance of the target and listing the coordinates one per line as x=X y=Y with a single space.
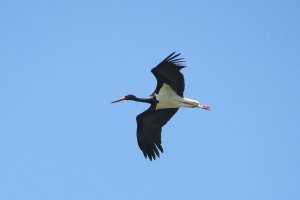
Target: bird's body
x=168 y=98
x=165 y=102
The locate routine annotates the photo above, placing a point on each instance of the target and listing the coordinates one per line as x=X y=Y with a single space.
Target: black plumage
x=151 y=121
x=168 y=71
x=165 y=101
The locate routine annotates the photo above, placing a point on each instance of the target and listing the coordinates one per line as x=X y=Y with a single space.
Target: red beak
x=118 y=100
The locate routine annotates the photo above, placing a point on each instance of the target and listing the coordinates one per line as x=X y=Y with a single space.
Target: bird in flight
x=164 y=103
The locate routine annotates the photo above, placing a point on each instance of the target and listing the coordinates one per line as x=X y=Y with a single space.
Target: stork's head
x=127 y=97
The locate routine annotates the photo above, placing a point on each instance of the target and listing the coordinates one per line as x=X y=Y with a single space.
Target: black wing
x=149 y=125
x=168 y=71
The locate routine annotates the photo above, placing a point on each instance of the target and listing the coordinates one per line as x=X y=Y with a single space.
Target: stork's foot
x=205 y=107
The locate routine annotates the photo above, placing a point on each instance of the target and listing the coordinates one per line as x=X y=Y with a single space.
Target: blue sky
x=62 y=62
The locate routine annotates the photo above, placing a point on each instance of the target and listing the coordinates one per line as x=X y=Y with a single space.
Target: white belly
x=167 y=98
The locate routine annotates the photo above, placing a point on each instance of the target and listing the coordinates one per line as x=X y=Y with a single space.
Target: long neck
x=150 y=99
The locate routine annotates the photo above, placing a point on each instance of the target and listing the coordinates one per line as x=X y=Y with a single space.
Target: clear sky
x=62 y=62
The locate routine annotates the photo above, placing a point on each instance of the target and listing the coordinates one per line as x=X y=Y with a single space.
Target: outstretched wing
x=149 y=125
x=168 y=71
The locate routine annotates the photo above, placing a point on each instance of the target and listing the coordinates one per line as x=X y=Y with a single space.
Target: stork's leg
x=205 y=107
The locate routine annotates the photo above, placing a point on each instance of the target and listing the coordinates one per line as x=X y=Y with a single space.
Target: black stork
x=165 y=102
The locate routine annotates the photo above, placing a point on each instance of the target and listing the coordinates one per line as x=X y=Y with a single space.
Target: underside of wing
x=168 y=71
x=149 y=126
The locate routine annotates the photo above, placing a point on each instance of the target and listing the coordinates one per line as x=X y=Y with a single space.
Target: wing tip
x=172 y=58
x=153 y=153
